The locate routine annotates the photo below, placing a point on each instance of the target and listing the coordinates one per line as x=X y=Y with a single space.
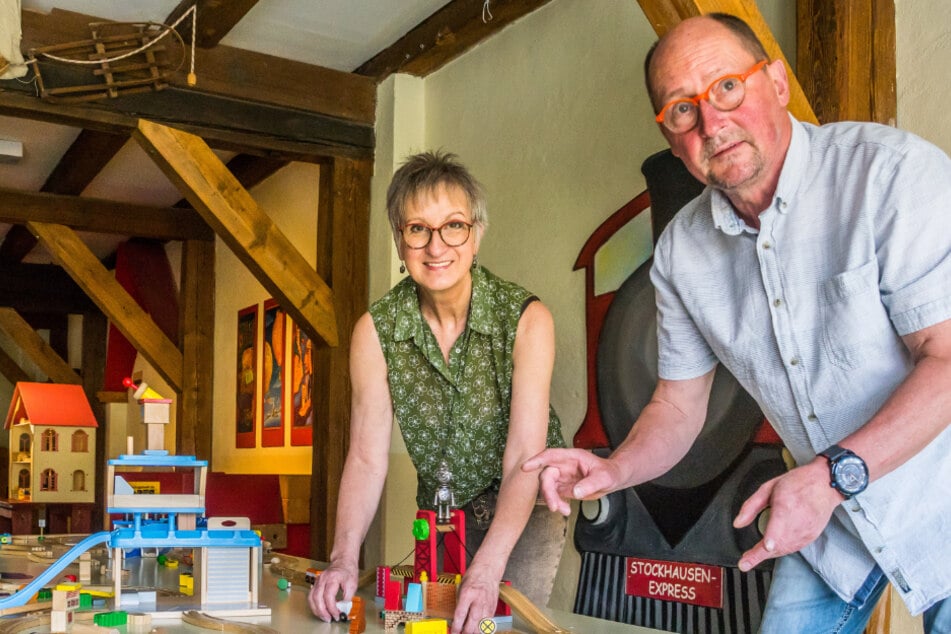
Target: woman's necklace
x=445 y=498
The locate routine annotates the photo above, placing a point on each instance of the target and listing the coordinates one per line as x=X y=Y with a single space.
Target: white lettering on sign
x=697 y=584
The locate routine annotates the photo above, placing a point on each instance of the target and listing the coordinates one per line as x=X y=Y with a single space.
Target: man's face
x=738 y=151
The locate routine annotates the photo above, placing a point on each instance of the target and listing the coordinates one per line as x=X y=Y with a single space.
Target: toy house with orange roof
x=52 y=443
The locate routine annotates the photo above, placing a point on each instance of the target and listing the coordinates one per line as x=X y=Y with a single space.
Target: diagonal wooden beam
x=215 y=19
x=81 y=163
x=11 y=370
x=22 y=335
x=665 y=14
x=253 y=237
x=444 y=36
x=114 y=301
x=249 y=170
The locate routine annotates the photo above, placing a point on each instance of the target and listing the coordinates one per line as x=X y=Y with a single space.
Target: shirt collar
x=409 y=318
x=725 y=217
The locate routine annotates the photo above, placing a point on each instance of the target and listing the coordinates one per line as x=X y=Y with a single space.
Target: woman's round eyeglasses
x=454 y=233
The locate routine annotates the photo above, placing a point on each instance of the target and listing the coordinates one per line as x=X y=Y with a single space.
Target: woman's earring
x=402 y=268
x=475 y=260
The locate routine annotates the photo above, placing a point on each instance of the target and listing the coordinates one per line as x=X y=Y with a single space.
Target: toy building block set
x=424 y=599
x=226 y=553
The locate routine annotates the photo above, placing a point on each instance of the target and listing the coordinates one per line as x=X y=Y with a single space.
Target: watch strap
x=834 y=452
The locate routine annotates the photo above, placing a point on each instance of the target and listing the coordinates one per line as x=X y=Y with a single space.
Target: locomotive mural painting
x=663 y=554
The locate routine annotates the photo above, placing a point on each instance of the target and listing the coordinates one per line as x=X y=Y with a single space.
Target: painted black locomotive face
x=686 y=514
x=662 y=518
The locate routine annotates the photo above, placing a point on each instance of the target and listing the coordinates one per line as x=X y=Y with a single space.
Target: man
x=816 y=266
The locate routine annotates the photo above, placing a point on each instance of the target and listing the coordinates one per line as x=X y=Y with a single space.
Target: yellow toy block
x=186 y=584
x=427 y=626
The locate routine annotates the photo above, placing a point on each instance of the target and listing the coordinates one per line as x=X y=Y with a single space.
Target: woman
x=464 y=361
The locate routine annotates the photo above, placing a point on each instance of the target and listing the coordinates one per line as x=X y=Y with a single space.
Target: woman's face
x=438 y=267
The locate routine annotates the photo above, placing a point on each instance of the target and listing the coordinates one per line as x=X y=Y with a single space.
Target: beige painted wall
x=550 y=115
x=289 y=197
x=923 y=52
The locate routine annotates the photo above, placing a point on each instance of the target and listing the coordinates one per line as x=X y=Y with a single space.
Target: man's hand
x=800 y=502
x=572 y=474
x=477 y=600
x=323 y=595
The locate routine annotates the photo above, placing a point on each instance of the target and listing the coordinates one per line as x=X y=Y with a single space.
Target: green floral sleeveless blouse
x=458 y=413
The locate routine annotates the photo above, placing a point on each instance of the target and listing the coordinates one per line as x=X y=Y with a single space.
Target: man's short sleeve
x=913 y=238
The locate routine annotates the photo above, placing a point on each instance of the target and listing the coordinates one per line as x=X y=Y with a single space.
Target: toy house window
x=47 y=480
x=79 y=480
x=80 y=441
x=49 y=440
x=25 y=443
x=23 y=479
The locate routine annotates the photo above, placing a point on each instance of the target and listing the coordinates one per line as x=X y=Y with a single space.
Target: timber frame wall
x=312 y=115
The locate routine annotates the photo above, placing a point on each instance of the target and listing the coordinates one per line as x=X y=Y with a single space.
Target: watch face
x=851 y=475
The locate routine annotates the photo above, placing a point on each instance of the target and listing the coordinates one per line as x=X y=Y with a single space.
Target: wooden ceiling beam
x=104 y=216
x=84 y=159
x=41 y=288
x=250 y=234
x=225 y=124
x=113 y=300
x=666 y=14
x=33 y=347
x=444 y=36
x=235 y=73
x=215 y=19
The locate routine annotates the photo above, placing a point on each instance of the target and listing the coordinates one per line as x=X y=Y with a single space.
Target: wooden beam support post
x=33 y=346
x=194 y=430
x=235 y=216
x=343 y=232
x=95 y=328
x=113 y=300
x=665 y=14
x=846 y=59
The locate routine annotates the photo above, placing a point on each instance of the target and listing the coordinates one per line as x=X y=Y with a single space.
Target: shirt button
x=777 y=303
x=855 y=507
x=767 y=245
x=794 y=361
x=813 y=417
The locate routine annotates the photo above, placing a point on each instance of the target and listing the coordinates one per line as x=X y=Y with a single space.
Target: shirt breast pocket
x=855 y=324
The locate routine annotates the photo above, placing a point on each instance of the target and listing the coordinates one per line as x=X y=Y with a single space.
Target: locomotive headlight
x=596 y=511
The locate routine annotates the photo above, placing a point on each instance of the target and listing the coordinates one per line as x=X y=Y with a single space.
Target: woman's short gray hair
x=424 y=173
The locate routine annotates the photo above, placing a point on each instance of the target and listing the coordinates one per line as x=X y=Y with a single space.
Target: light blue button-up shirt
x=808 y=314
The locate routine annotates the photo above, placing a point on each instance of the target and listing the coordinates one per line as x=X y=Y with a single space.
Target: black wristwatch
x=849 y=474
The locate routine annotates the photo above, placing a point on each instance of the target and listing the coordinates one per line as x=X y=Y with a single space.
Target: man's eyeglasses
x=453 y=233
x=724 y=94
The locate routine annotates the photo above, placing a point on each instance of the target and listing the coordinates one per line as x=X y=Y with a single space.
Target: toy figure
x=445 y=500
